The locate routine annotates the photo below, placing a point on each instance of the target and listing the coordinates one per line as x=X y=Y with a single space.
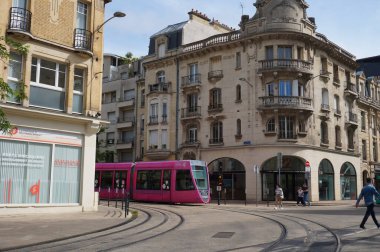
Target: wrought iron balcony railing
x=191 y=80
x=82 y=39
x=191 y=112
x=159 y=87
x=285 y=63
x=296 y=102
x=19 y=19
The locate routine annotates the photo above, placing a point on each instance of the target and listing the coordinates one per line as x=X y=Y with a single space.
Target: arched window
x=271 y=125
x=324 y=133
x=238 y=93
x=326 y=180
x=238 y=128
x=348 y=182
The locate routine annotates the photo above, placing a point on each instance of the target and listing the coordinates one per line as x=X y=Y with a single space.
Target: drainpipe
x=177 y=110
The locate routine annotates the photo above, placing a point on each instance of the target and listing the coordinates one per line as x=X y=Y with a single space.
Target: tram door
x=166 y=185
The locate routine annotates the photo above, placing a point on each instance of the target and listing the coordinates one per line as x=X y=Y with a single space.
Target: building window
x=153 y=139
x=336 y=73
x=82 y=16
x=129 y=95
x=269 y=53
x=161 y=50
x=271 y=125
x=338 y=141
x=110 y=137
x=285 y=87
x=238 y=60
x=286 y=126
x=362 y=114
x=301 y=126
x=78 y=90
x=142 y=124
x=269 y=89
x=164 y=139
x=374 y=149
x=324 y=133
x=364 y=149
x=193 y=73
x=192 y=101
x=48 y=80
x=238 y=93
x=324 y=69
x=160 y=77
x=153 y=113
x=336 y=105
x=216 y=133
x=142 y=103
x=164 y=112
x=238 y=127
x=284 y=52
x=325 y=99
x=374 y=126
x=215 y=98
x=193 y=134
x=15 y=74
x=111 y=117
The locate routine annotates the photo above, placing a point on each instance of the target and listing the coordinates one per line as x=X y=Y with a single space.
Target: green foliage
x=128 y=59
x=5 y=90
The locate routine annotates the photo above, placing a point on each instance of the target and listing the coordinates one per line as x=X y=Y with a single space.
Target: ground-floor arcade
x=333 y=175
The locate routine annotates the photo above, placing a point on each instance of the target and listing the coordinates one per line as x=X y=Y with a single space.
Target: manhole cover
x=223 y=235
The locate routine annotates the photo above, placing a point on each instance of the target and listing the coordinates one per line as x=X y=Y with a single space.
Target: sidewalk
x=19 y=230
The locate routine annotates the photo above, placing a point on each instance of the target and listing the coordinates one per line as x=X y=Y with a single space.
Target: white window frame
x=17 y=80
x=38 y=70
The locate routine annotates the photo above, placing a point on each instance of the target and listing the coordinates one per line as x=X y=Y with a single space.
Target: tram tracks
x=317 y=237
x=154 y=222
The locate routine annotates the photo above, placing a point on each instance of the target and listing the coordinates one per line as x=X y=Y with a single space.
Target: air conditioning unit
x=110 y=141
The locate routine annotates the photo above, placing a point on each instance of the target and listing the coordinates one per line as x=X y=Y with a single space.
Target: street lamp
x=116 y=14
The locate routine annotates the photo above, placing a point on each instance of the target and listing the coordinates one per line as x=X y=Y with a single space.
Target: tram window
x=97 y=173
x=166 y=180
x=106 y=179
x=200 y=176
x=120 y=177
x=148 y=180
x=184 y=181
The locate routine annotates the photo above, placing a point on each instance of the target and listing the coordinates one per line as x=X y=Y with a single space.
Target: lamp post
x=116 y=14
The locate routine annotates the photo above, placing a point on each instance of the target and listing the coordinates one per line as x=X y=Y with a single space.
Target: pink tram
x=184 y=181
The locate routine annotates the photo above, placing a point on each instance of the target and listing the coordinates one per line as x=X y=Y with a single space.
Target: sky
x=351 y=24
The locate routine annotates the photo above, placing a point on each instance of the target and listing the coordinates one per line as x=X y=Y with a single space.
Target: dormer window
x=161 y=50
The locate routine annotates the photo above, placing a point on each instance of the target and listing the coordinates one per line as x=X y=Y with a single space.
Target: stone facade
x=62 y=76
x=240 y=98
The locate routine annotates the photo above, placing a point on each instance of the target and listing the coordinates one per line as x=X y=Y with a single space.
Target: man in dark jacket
x=368 y=192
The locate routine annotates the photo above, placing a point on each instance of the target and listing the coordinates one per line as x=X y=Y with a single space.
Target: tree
x=5 y=90
x=129 y=58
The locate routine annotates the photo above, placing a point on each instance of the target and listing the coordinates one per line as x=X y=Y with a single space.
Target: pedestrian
x=300 y=198
x=305 y=189
x=279 y=195
x=368 y=192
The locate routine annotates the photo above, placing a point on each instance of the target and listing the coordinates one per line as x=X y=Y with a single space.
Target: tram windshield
x=200 y=176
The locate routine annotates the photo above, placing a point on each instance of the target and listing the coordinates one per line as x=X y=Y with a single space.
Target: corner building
x=49 y=160
x=274 y=86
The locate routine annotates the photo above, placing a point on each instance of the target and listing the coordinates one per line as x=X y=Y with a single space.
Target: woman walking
x=279 y=195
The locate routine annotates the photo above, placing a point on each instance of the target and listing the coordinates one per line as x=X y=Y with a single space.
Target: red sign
x=307 y=163
x=34 y=189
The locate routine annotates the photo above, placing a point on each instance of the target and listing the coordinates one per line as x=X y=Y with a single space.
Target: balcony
x=128 y=102
x=164 y=119
x=161 y=87
x=216 y=141
x=124 y=144
x=82 y=40
x=153 y=120
x=288 y=65
x=215 y=108
x=190 y=143
x=285 y=102
x=191 y=113
x=352 y=119
x=19 y=20
x=126 y=122
x=215 y=75
x=191 y=81
x=350 y=90
x=156 y=153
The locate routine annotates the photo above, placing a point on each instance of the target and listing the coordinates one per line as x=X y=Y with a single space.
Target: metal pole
x=126 y=210
x=257 y=174
x=109 y=190
x=218 y=197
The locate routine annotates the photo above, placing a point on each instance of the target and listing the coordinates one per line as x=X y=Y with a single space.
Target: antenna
x=242 y=8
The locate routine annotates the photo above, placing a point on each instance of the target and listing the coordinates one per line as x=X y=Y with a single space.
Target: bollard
x=126 y=209
x=109 y=191
x=225 y=196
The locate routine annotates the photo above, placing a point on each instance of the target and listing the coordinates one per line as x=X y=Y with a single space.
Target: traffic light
x=220 y=180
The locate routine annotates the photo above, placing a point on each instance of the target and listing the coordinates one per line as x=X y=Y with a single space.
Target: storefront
x=348 y=182
x=40 y=167
x=233 y=175
x=326 y=180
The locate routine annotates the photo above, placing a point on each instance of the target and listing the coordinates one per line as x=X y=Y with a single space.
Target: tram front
x=200 y=174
